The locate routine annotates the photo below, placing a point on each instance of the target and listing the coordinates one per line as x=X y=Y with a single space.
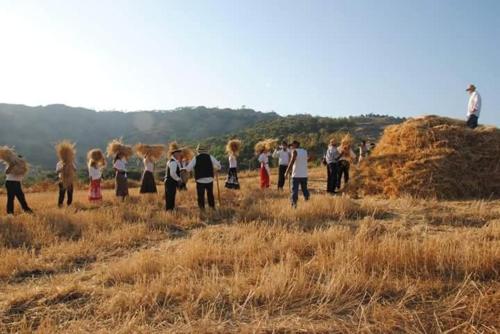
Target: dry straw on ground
x=95 y=156
x=66 y=153
x=17 y=166
x=116 y=147
x=434 y=157
x=233 y=147
x=152 y=152
x=267 y=144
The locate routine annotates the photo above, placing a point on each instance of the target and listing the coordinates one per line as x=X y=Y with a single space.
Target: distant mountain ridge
x=35 y=130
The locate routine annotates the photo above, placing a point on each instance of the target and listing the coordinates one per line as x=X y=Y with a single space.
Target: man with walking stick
x=204 y=166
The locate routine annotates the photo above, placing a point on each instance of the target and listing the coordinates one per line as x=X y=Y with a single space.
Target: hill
x=35 y=130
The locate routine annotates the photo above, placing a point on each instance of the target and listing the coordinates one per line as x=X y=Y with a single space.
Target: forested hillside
x=35 y=130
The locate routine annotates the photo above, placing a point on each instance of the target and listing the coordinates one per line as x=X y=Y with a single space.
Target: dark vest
x=204 y=167
x=168 y=177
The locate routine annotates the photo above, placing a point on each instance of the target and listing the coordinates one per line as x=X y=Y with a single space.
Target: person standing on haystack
x=347 y=155
x=233 y=149
x=298 y=169
x=96 y=162
x=283 y=156
x=15 y=172
x=65 y=170
x=332 y=166
x=204 y=166
x=172 y=176
x=474 y=106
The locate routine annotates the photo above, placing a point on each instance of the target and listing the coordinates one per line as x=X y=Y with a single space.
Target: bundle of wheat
x=66 y=153
x=116 y=147
x=187 y=154
x=233 y=147
x=152 y=152
x=16 y=164
x=95 y=156
x=266 y=144
x=346 y=141
x=434 y=157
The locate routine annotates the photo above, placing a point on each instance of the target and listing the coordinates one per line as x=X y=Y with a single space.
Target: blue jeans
x=296 y=181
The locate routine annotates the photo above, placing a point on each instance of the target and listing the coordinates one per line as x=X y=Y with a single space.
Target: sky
x=323 y=57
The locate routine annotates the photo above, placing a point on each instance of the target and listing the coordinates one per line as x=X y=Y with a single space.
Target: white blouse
x=233 y=163
x=149 y=166
x=95 y=173
x=120 y=165
x=264 y=158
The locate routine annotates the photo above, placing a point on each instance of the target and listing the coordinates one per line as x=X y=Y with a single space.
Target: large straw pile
x=434 y=157
x=267 y=144
x=66 y=152
x=152 y=152
x=233 y=147
x=116 y=147
x=96 y=157
x=16 y=165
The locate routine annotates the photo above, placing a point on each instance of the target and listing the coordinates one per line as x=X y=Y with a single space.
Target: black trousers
x=332 y=170
x=170 y=192
x=281 y=176
x=344 y=166
x=62 y=193
x=201 y=188
x=14 y=190
x=472 y=121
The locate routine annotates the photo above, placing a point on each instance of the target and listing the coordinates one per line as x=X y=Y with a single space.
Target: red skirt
x=264 y=177
x=95 y=190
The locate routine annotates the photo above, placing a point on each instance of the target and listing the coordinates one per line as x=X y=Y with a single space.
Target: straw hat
x=174 y=148
x=471 y=88
x=202 y=149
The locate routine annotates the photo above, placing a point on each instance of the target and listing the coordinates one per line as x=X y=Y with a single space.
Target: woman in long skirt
x=232 y=175
x=121 y=185
x=96 y=163
x=148 y=184
x=264 y=169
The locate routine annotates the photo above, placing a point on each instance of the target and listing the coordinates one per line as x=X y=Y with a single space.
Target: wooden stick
x=218 y=188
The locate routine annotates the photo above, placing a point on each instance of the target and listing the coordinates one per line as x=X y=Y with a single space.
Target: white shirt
x=264 y=158
x=12 y=177
x=149 y=166
x=474 y=104
x=232 y=161
x=215 y=163
x=94 y=173
x=300 y=164
x=121 y=165
x=332 y=154
x=283 y=157
x=172 y=167
x=60 y=166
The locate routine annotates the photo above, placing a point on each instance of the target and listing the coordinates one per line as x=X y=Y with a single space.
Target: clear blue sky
x=332 y=58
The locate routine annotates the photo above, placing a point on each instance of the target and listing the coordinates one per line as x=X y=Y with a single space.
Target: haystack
x=95 y=156
x=267 y=144
x=16 y=165
x=233 y=147
x=434 y=157
x=116 y=147
x=187 y=154
x=152 y=152
x=66 y=153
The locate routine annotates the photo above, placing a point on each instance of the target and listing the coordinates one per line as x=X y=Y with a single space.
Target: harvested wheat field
x=434 y=157
x=335 y=264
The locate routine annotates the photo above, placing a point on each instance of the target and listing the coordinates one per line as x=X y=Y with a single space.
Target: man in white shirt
x=204 y=166
x=298 y=168
x=283 y=156
x=473 y=107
